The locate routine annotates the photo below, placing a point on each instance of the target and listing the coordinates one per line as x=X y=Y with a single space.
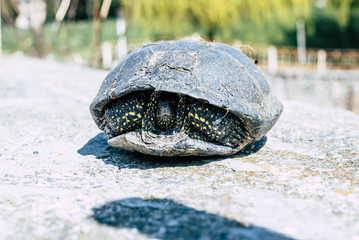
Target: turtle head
x=165 y=113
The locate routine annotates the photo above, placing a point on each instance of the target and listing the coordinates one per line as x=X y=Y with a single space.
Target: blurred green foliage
x=256 y=22
x=329 y=23
x=73 y=39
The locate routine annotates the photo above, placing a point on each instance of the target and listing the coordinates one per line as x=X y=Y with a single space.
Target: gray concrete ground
x=336 y=88
x=60 y=180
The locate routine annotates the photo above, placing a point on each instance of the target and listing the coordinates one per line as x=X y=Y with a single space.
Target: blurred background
x=308 y=49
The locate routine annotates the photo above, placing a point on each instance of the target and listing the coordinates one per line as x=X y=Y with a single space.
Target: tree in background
x=100 y=12
x=40 y=40
x=168 y=17
x=260 y=21
x=336 y=25
x=329 y=23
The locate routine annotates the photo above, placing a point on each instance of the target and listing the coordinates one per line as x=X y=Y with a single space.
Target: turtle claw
x=238 y=129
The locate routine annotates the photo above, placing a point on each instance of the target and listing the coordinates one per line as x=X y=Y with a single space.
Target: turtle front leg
x=215 y=125
x=124 y=115
x=237 y=134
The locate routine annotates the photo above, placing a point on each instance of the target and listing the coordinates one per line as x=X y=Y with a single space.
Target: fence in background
x=321 y=59
x=338 y=89
x=271 y=57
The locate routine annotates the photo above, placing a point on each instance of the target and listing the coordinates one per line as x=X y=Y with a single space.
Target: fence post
x=0 y=32
x=272 y=59
x=322 y=62
x=301 y=41
x=107 y=55
x=122 y=41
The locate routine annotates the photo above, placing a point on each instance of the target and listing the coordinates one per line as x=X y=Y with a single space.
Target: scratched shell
x=213 y=72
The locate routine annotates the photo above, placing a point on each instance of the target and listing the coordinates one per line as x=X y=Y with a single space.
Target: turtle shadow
x=98 y=147
x=167 y=219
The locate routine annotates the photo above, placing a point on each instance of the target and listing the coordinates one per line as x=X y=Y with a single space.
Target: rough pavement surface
x=60 y=180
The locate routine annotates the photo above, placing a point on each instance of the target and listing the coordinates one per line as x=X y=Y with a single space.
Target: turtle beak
x=166 y=117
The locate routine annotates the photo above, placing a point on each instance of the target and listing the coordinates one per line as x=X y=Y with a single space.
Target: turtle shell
x=214 y=73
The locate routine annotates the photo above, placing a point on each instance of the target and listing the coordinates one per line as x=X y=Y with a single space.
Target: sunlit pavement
x=60 y=180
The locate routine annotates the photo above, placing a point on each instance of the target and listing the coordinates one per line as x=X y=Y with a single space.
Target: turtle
x=185 y=98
